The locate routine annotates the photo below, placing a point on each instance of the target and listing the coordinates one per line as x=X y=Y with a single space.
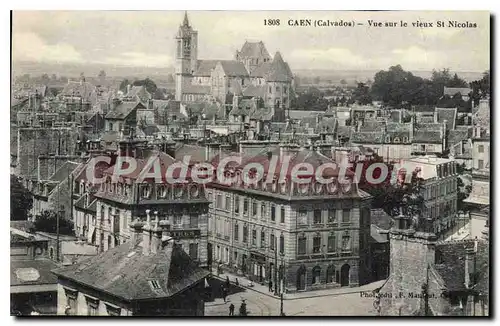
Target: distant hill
x=74 y=70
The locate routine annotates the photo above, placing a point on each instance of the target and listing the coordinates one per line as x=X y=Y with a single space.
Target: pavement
x=260 y=302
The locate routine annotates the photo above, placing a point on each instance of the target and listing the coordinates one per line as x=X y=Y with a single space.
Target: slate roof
x=126 y=272
x=212 y=110
x=32 y=272
x=150 y=130
x=205 y=68
x=482 y=116
x=196 y=152
x=255 y=91
x=253 y=50
x=448 y=114
x=261 y=70
x=262 y=114
x=344 y=131
x=278 y=71
x=427 y=136
x=122 y=110
x=459 y=135
x=299 y=114
x=85 y=89
x=233 y=68
x=64 y=171
x=140 y=93
x=372 y=125
x=381 y=219
x=368 y=137
x=327 y=125
x=450 y=91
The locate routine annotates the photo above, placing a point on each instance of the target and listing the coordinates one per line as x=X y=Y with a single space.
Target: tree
x=21 y=200
x=123 y=85
x=481 y=88
x=457 y=82
x=343 y=82
x=463 y=192
x=148 y=83
x=47 y=222
x=361 y=94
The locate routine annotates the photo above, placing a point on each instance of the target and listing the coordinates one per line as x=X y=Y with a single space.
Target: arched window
x=110 y=213
x=282 y=244
x=330 y=274
x=316 y=273
x=396 y=140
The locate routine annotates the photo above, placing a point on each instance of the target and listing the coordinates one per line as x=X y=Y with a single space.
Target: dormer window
x=405 y=139
x=388 y=139
x=396 y=140
x=146 y=191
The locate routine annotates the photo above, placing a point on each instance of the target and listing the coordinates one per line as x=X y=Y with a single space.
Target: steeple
x=186 y=20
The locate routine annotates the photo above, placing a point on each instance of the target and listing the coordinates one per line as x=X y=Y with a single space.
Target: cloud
x=30 y=47
x=330 y=58
x=418 y=58
x=139 y=59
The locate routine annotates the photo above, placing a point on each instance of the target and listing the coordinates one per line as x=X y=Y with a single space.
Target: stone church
x=253 y=74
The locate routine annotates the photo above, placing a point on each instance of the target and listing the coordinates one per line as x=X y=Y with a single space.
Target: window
x=302 y=218
x=236 y=231
x=285 y=89
x=193 y=220
x=330 y=274
x=316 y=244
x=346 y=215
x=273 y=213
x=317 y=216
x=236 y=204
x=282 y=215
x=346 y=242
x=245 y=206
x=177 y=218
x=254 y=237
x=263 y=211
x=271 y=241
x=332 y=216
x=92 y=306
x=193 y=250
x=112 y=310
x=331 y=243
x=302 y=245
x=219 y=201
x=71 y=296
x=245 y=234
x=282 y=244
x=270 y=90
x=316 y=273
x=277 y=88
x=480 y=148
x=262 y=239
x=228 y=203
x=254 y=208
x=480 y=164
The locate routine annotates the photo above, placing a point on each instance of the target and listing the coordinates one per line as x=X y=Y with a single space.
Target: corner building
x=310 y=236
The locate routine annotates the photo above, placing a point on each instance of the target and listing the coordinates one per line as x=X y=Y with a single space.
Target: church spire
x=186 y=20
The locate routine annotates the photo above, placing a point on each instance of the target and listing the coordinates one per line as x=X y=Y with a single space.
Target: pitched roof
x=233 y=68
x=140 y=93
x=372 y=125
x=32 y=272
x=253 y=49
x=262 y=114
x=278 y=71
x=381 y=219
x=368 y=137
x=122 y=110
x=299 y=114
x=150 y=130
x=254 y=91
x=458 y=135
x=126 y=272
x=427 y=136
x=64 y=171
x=261 y=70
x=205 y=68
x=450 y=91
x=84 y=89
x=448 y=114
x=450 y=263
x=196 y=153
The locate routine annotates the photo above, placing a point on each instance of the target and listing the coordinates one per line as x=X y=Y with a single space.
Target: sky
x=147 y=38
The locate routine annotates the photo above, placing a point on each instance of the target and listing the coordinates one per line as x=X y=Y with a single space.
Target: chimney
x=156 y=232
x=146 y=235
x=470 y=268
x=135 y=231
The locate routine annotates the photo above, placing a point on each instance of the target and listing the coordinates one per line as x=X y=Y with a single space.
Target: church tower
x=186 y=57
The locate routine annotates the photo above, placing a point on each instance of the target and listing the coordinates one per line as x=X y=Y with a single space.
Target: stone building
x=253 y=73
x=317 y=234
x=149 y=275
x=439 y=190
x=433 y=278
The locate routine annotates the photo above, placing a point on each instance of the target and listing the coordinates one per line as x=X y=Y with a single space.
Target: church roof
x=233 y=68
x=196 y=89
x=205 y=68
x=255 y=91
x=261 y=70
x=278 y=72
x=253 y=49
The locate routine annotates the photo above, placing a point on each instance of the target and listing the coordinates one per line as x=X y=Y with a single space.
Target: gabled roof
x=195 y=89
x=427 y=136
x=64 y=171
x=450 y=91
x=125 y=272
x=459 y=135
x=278 y=71
x=368 y=137
x=140 y=93
x=261 y=70
x=262 y=114
x=448 y=114
x=84 y=89
x=233 y=68
x=205 y=68
x=122 y=110
x=253 y=50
